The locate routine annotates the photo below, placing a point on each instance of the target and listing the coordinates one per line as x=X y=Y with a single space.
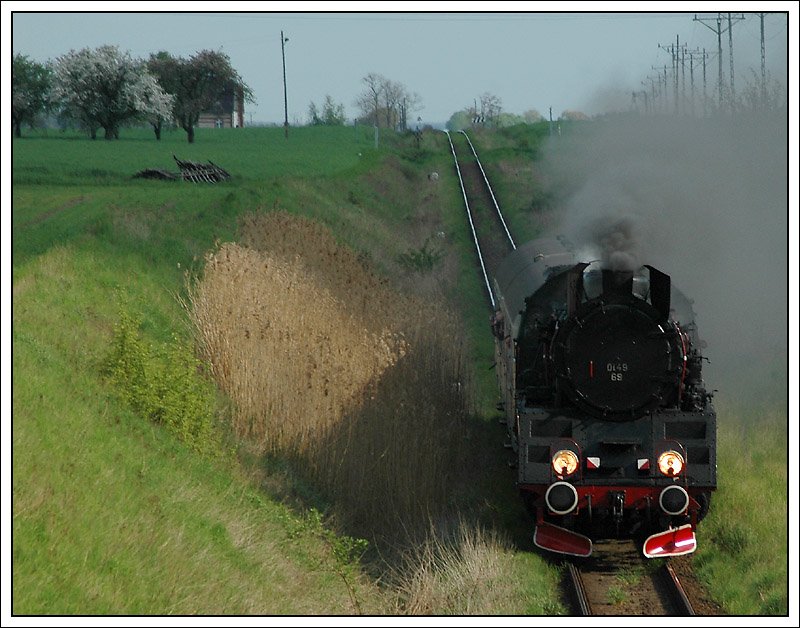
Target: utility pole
x=666 y=104
x=692 y=54
x=730 y=53
x=653 y=91
x=763 y=64
x=683 y=77
x=674 y=50
x=635 y=95
x=652 y=94
x=285 y=101
x=705 y=95
x=718 y=30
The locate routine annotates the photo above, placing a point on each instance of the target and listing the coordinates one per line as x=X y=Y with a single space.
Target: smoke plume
x=706 y=202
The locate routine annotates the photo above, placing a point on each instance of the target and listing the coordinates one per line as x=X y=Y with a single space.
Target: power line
x=678 y=96
x=399 y=16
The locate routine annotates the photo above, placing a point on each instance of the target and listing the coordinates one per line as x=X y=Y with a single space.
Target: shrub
x=165 y=385
x=421 y=260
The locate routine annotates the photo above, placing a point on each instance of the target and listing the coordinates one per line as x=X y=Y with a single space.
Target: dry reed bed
x=327 y=366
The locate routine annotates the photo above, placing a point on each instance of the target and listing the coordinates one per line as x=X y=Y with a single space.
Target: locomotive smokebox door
x=617 y=355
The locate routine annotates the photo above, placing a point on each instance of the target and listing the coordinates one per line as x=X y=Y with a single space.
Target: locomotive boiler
x=606 y=408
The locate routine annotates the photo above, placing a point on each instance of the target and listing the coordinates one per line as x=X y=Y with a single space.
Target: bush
x=421 y=260
x=165 y=385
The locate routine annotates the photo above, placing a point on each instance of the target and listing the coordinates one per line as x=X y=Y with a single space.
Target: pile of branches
x=189 y=171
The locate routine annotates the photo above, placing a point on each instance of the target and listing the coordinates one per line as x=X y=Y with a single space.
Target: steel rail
x=471 y=223
x=679 y=594
x=491 y=192
x=579 y=590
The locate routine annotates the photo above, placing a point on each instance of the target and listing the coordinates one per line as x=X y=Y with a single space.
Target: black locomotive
x=604 y=400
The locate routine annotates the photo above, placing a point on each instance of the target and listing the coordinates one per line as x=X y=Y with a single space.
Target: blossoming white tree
x=106 y=88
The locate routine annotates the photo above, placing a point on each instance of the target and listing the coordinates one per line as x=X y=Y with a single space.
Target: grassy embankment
x=117 y=514
x=745 y=562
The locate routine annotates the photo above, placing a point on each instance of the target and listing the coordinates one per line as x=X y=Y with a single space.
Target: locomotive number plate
x=616 y=370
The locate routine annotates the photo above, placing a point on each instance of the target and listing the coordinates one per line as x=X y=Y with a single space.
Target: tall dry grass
x=465 y=572
x=327 y=366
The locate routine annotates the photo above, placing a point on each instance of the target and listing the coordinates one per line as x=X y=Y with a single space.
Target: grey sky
x=580 y=60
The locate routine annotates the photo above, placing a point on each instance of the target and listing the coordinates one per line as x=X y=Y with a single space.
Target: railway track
x=492 y=238
x=617 y=581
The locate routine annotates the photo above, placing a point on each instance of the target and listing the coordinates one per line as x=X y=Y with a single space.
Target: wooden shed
x=227 y=113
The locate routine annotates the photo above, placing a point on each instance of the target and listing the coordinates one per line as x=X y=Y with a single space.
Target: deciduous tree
x=531 y=116
x=332 y=113
x=573 y=115
x=30 y=90
x=491 y=106
x=386 y=103
x=369 y=100
x=106 y=88
x=197 y=83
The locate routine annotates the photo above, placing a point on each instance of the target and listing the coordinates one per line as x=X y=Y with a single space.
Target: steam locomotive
x=604 y=401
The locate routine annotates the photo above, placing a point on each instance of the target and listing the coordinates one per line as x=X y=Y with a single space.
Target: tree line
x=383 y=103
x=105 y=88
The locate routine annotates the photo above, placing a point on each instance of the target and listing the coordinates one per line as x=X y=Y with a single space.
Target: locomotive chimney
x=617 y=281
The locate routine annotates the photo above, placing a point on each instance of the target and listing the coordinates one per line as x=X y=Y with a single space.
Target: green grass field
x=112 y=514
x=116 y=514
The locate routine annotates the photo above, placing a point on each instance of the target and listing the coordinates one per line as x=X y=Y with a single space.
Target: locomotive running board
x=673 y=542
x=560 y=540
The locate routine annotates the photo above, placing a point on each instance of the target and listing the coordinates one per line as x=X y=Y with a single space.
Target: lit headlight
x=670 y=463
x=565 y=462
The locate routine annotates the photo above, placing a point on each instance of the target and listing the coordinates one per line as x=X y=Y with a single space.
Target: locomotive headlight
x=670 y=463
x=565 y=462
